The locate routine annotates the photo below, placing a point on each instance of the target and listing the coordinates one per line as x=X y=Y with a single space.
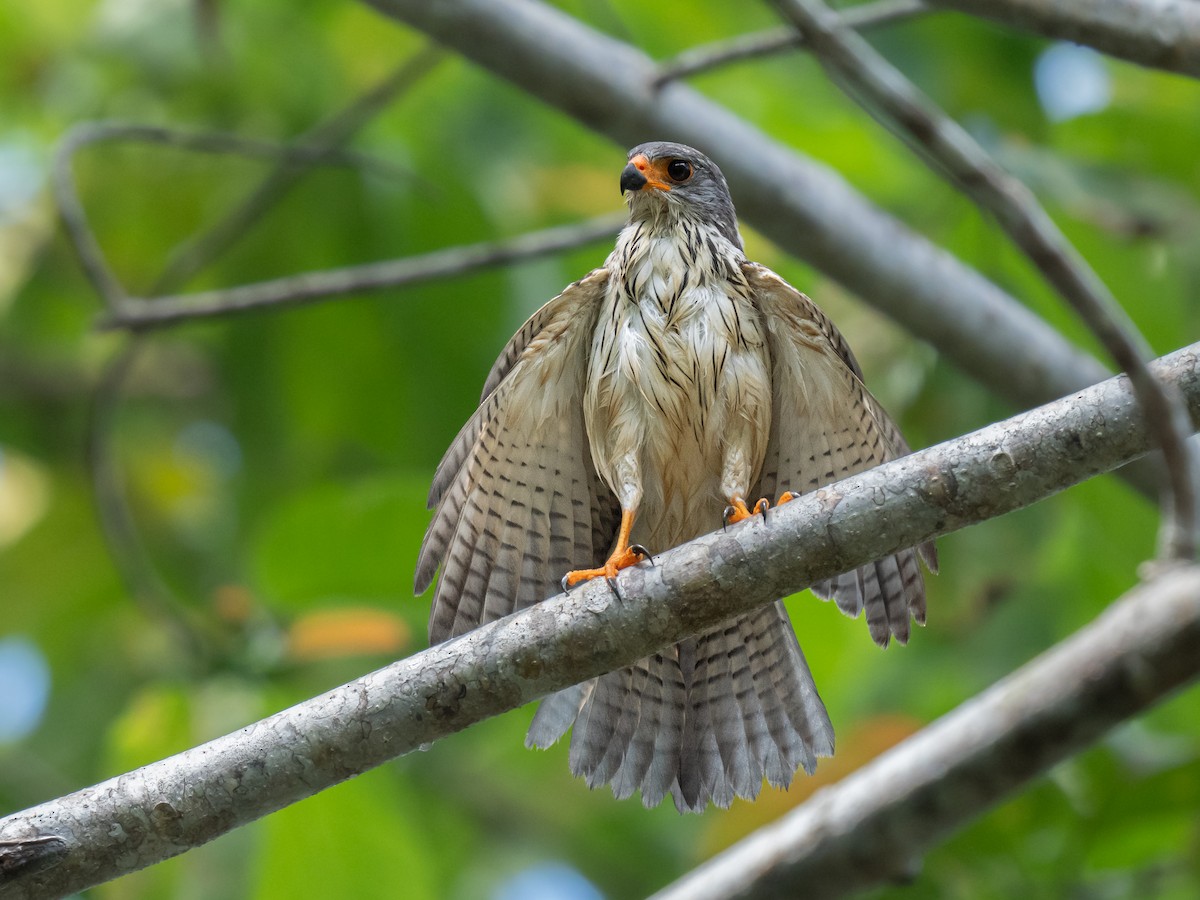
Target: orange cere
x=655 y=172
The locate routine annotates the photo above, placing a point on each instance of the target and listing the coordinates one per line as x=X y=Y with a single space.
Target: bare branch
x=71 y=210
x=168 y=807
x=1163 y=34
x=142 y=580
x=872 y=827
x=947 y=148
x=140 y=315
x=695 y=60
x=192 y=256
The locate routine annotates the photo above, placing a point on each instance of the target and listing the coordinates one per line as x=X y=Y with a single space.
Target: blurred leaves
x=277 y=465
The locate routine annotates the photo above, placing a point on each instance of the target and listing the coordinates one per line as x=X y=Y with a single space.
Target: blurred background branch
x=156 y=312
x=145 y=584
x=323 y=140
x=862 y=17
x=1164 y=34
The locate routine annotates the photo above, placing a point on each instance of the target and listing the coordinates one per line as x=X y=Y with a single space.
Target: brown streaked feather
x=518 y=499
x=534 y=325
x=826 y=426
x=467 y=437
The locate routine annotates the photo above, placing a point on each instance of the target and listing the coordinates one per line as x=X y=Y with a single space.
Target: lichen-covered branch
x=165 y=808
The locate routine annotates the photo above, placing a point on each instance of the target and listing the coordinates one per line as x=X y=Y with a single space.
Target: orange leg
x=622 y=557
x=737 y=510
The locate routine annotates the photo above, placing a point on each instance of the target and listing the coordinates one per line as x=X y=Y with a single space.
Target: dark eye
x=679 y=170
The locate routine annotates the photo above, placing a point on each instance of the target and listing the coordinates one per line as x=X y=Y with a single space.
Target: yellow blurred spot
x=347 y=631
x=858 y=748
x=185 y=489
x=24 y=496
x=233 y=603
x=155 y=723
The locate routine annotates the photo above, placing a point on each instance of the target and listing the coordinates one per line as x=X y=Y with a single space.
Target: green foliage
x=275 y=465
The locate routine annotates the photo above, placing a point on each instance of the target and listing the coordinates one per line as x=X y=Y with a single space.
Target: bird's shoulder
x=792 y=315
x=576 y=303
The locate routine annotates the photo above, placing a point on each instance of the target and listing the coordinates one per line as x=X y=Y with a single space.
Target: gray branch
x=325 y=138
x=70 y=207
x=874 y=826
x=1163 y=34
x=294 y=290
x=165 y=808
x=695 y=60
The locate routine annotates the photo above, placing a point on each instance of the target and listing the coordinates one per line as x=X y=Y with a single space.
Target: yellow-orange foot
x=621 y=559
x=737 y=510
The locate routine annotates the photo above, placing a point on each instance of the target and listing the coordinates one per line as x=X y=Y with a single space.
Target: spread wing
x=825 y=425
x=518 y=500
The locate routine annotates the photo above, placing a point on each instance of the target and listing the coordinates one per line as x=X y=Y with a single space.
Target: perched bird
x=677 y=381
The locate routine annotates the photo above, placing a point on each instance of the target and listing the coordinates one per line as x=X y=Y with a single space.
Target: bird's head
x=665 y=182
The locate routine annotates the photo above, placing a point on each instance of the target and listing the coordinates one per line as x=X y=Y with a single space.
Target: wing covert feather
x=825 y=425
x=518 y=500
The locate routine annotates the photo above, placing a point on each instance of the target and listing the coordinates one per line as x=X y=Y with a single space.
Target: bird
x=647 y=404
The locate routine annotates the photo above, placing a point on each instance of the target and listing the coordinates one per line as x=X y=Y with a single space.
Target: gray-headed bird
x=677 y=381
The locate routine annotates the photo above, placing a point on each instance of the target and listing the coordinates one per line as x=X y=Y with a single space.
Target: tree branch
x=873 y=827
x=325 y=138
x=144 y=583
x=294 y=290
x=71 y=210
x=804 y=207
x=862 y=17
x=168 y=807
x=948 y=149
x=1163 y=34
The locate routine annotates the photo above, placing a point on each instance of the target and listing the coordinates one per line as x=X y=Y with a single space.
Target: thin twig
x=294 y=290
x=75 y=221
x=145 y=584
x=949 y=150
x=323 y=140
x=167 y=807
x=775 y=40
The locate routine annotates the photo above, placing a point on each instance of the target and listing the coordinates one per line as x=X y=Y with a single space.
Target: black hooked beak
x=632 y=179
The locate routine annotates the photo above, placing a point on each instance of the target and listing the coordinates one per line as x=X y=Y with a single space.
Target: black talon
x=612 y=584
x=729 y=511
x=762 y=506
x=640 y=551
x=566 y=587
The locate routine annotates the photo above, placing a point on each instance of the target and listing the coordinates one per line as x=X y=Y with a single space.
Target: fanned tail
x=706 y=720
